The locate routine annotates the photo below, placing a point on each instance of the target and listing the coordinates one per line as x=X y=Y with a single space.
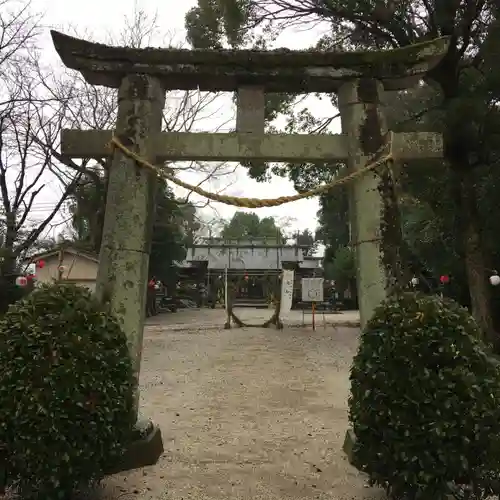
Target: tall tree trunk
x=8 y=265
x=457 y=152
x=9 y=292
x=477 y=275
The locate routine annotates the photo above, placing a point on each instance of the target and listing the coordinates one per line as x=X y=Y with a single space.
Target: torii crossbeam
x=177 y=146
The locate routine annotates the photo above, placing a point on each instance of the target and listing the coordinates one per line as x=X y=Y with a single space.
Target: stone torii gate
x=143 y=76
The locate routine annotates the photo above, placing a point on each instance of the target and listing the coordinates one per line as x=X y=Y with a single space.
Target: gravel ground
x=246 y=414
x=214 y=318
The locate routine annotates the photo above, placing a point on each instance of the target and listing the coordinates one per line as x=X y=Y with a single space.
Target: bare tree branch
x=88 y=107
x=27 y=112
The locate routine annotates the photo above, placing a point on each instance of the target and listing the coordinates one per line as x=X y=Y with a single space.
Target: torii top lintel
x=225 y=70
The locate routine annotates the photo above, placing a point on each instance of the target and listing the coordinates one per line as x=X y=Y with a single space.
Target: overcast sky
x=98 y=20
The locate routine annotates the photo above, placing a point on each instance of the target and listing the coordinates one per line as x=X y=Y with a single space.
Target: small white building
x=76 y=266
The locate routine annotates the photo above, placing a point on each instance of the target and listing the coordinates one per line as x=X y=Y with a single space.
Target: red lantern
x=444 y=279
x=21 y=281
x=40 y=264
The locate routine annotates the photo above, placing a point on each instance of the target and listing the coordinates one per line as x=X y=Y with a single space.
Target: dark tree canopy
x=306 y=238
x=175 y=224
x=247 y=225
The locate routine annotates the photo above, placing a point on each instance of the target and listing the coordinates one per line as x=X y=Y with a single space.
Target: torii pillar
x=130 y=207
x=364 y=122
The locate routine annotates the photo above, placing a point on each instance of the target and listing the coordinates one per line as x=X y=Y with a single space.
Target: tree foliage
x=248 y=225
x=66 y=391
x=174 y=227
x=306 y=239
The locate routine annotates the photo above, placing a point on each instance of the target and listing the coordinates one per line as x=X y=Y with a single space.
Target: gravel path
x=246 y=414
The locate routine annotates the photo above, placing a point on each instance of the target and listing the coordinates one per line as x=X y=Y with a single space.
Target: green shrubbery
x=425 y=401
x=66 y=398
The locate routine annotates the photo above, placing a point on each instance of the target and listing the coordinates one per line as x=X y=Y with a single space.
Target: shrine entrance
x=254 y=289
x=139 y=147
x=250 y=289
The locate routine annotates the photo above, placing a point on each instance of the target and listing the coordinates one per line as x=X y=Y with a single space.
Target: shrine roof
x=280 y=70
x=242 y=245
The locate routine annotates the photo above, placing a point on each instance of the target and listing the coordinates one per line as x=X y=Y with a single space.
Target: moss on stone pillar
x=126 y=241
x=364 y=125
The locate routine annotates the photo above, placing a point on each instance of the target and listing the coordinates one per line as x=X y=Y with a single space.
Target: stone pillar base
x=348 y=446
x=145 y=450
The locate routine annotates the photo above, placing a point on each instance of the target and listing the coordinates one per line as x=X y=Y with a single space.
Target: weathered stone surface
x=364 y=123
x=143 y=452
x=250 y=110
x=249 y=146
x=143 y=427
x=124 y=257
x=277 y=71
x=348 y=447
x=250 y=116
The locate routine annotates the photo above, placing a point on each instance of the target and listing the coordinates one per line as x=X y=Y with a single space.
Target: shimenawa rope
x=236 y=201
x=372 y=164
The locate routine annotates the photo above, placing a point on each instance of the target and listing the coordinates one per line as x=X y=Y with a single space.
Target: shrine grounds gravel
x=246 y=414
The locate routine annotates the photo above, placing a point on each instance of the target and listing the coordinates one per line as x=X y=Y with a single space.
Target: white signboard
x=286 y=291
x=312 y=289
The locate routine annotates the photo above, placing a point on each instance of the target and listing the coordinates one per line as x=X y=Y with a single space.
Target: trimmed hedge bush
x=425 y=401
x=66 y=391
